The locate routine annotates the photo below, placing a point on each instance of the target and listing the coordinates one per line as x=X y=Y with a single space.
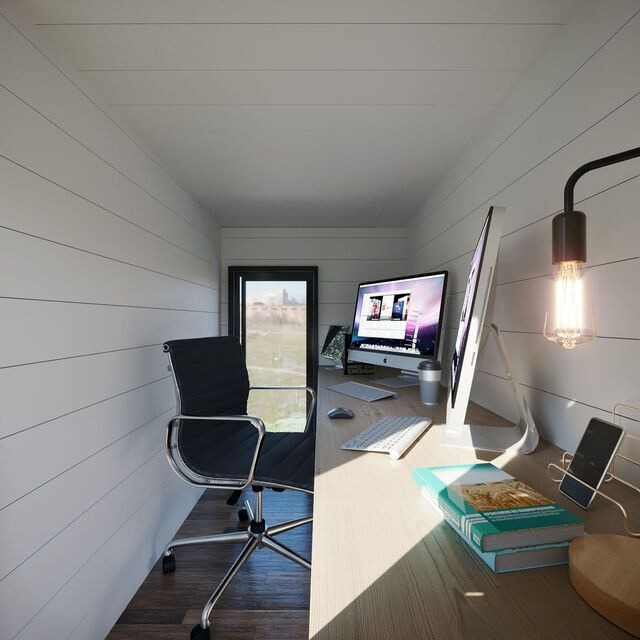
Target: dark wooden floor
x=268 y=598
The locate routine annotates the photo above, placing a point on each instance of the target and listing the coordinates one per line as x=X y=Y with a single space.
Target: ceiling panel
x=367 y=212
x=421 y=119
x=299 y=112
x=295 y=213
x=350 y=162
x=122 y=11
x=303 y=87
x=302 y=46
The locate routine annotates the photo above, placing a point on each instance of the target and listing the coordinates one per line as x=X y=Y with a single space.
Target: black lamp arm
x=590 y=166
x=569 y=228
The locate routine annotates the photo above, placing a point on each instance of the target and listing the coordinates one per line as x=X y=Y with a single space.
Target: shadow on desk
x=476 y=604
x=385 y=567
x=465 y=600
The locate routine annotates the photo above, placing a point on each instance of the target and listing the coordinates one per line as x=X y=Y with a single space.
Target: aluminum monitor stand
x=403 y=379
x=408 y=378
x=520 y=438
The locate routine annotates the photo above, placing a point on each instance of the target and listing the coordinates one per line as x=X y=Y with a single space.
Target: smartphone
x=592 y=458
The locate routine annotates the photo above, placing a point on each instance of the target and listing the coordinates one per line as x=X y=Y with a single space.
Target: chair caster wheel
x=168 y=564
x=198 y=633
x=243 y=515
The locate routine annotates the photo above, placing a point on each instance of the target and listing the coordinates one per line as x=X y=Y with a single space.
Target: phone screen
x=591 y=460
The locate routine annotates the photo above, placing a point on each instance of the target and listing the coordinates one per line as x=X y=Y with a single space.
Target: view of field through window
x=276 y=345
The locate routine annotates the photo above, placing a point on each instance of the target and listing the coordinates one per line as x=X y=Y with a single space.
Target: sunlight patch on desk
x=376 y=520
x=504 y=459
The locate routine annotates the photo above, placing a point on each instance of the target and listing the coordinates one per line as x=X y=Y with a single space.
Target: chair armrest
x=186 y=473
x=254 y=420
x=309 y=390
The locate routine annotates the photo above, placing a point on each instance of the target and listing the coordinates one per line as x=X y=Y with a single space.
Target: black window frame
x=236 y=292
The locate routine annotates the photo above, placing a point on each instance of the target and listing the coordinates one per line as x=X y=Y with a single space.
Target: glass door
x=273 y=310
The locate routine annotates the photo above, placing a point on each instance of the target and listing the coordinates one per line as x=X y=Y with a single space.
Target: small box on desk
x=354 y=368
x=358 y=369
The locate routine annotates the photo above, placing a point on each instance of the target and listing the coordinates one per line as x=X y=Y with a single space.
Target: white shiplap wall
x=344 y=256
x=102 y=258
x=579 y=102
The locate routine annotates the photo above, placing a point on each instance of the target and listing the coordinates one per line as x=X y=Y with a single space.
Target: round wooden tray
x=605 y=570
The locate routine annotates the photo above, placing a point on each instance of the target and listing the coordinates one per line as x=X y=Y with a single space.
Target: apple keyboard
x=391 y=434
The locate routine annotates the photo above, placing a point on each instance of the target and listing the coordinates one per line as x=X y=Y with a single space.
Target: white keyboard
x=362 y=391
x=392 y=435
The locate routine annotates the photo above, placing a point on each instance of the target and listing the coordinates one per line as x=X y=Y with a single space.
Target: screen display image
x=467 y=310
x=591 y=460
x=400 y=316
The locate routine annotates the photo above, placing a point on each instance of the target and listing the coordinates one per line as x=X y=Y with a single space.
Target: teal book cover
x=495 y=510
x=536 y=557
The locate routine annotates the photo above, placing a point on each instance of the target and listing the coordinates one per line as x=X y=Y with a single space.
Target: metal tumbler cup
x=429 y=373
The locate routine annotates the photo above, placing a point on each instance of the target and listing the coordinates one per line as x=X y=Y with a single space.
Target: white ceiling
x=303 y=112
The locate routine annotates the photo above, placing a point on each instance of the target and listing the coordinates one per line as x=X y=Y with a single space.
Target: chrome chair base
x=257 y=535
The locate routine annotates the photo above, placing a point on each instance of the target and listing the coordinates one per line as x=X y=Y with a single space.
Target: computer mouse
x=340 y=413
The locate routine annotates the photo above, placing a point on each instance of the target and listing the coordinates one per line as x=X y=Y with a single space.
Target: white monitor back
x=480 y=314
x=523 y=437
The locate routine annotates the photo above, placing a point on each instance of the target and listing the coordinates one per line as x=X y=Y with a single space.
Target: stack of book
x=509 y=525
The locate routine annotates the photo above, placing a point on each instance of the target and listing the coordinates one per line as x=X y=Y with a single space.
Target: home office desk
x=385 y=566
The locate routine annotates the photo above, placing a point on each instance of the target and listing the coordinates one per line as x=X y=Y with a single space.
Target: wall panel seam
x=564 y=82
x=137 y=144
x=104 y=257
x=91 y=455
x=106 y=304
x=307 y=258
x=533 y=168
x=547 y=275
x=103 y=208
x=92 y=404
x=107 y=587
x=78 y=355
x=542 y=219
x=96 y=155
x=102 y=545
x=336 y=237
x=552 y=393
x=540 y=333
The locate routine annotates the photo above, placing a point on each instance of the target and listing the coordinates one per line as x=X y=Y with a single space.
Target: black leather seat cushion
x=225 y=450
x=288 y=459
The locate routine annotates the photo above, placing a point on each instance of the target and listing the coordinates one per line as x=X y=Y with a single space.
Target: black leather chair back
x=212 y=380
x=210 y=374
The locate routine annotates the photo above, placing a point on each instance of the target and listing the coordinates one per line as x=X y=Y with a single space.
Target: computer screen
x=467 y=309
x=401 y=316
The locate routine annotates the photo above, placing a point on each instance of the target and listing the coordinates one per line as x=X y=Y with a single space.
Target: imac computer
x=473 y=331
x=397 y=323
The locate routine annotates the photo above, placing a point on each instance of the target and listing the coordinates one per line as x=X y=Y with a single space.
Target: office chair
x=213 y=443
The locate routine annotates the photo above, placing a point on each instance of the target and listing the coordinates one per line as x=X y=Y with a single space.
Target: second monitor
x=398 y=322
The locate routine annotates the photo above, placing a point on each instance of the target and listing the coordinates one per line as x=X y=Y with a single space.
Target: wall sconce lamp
x=570 y=320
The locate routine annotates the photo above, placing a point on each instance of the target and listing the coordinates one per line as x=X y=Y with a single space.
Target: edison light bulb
x=569 y=321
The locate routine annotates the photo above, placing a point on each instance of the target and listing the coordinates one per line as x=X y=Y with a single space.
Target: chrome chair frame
x=257 y=534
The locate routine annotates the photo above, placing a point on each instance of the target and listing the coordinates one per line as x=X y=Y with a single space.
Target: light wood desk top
x=385 y=566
